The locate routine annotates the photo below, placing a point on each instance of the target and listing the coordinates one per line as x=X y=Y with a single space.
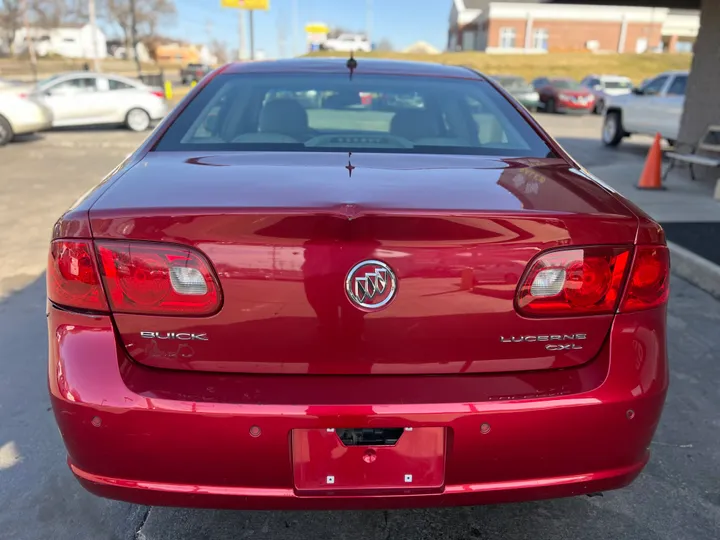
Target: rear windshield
x=371 y=113
x=566 y=84
x=616 y=85
x=512 y=82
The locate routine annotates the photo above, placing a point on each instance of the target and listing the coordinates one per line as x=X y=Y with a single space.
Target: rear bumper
x=574 y=108
x=159 y=109
x=249 y=498
x=32 y=126
x=170 y=447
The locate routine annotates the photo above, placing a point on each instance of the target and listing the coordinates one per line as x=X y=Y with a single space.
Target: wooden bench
x=710 y=143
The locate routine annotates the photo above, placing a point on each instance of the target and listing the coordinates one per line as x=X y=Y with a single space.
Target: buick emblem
x=370 y=285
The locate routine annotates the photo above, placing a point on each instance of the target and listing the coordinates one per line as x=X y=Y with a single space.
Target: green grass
x=576 y=65
x=21 y=68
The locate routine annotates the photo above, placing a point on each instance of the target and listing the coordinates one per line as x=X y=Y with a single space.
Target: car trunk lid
x=282 y=234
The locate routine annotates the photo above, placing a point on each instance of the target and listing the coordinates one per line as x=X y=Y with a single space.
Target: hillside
x=577 y=65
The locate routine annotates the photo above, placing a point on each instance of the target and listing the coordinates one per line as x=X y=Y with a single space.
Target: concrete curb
x=695 y=269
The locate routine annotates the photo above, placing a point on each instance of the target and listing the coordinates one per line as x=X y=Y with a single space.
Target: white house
x=71 y=41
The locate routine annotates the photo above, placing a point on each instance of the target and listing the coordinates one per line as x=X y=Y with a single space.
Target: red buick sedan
x=289 y=297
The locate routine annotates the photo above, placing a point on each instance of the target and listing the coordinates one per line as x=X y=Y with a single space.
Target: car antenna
x=351 y=64
x=350 y=167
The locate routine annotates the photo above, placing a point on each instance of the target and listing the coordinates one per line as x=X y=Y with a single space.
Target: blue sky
x=403 y=22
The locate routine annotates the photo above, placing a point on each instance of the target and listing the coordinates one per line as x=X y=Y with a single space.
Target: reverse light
x=155 y=279
x=72 y=277
x=548 y=282
x=649 y=281
x=185 y=280
x=574 y=281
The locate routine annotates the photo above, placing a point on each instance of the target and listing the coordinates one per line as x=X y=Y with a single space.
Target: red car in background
x=272 y=304
x=563 y=95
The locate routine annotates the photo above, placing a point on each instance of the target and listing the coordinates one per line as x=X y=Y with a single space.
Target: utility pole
x=93 y=27
x=133 y=33
x=295 y=23
x=241 y=35
x=369 y=20
x=252 y=35
x=281 y=33
x=29 y=41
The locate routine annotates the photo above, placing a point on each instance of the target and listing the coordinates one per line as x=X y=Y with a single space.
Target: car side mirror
x=638 y=91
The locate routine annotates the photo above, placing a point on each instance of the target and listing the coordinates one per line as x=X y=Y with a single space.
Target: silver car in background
x=21 y=114
x=84 y=99
x=605 y=87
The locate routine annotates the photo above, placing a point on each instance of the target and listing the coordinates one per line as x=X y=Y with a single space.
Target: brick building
x=502 y=26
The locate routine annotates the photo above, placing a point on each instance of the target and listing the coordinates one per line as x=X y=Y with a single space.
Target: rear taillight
x=156 y=279
x=649 y=281
x=72 y=278
x=158 y=93
x=578 y=281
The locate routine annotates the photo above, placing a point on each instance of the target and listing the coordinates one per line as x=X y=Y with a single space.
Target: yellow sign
x=263 y=5
x=317 y=28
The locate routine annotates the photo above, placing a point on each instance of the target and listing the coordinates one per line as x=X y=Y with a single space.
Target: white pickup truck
x=655 y=107
x=348 y=43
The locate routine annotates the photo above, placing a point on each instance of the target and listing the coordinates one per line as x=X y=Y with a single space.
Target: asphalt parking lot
x=677 y=497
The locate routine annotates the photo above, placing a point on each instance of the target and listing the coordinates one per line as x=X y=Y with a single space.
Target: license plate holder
x=322 y=463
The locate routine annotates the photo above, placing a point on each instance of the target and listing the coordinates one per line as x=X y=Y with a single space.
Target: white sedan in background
x=84 y=98
x=21 y=115
x=655 y=107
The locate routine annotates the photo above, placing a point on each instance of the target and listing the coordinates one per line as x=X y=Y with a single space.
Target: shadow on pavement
x=31 y=137
x=577 y=518
x=39 y=498
x=592 y=152
x=678 y=495
x=92 y=128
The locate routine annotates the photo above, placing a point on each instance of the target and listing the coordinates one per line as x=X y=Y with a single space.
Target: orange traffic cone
x=650 y=177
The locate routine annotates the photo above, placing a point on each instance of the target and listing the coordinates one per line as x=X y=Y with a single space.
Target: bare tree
x=10 y=22
x=220 y=50
x=148 y=15
x=53 y=13
x=40 y=13
x=384 y=45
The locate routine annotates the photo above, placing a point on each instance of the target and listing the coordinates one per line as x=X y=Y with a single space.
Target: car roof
x=369 y=65
x=61 y=77
x=93 y=74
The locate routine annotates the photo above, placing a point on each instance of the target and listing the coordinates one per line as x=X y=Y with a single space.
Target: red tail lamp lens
x=160 y=280
x=649 y=281
x=72 y=278
x=574 y=281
